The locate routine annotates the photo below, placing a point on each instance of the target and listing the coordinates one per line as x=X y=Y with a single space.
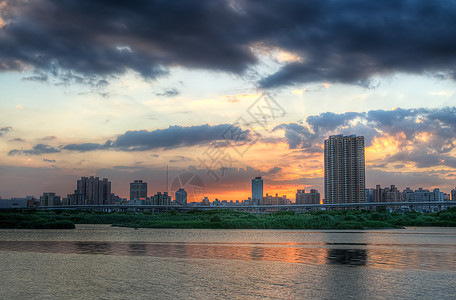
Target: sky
x=221 y=91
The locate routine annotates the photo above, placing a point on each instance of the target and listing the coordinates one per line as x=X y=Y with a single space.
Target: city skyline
x=224 y=96
x=95 y=191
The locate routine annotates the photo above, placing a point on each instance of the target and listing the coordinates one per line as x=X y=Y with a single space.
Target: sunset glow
x=226 y=97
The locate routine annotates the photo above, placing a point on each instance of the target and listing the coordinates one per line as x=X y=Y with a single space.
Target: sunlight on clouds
x=384 y=145
x=2 y=22
x=287 y=57
x=241 y=97
x=423 y=136
x=299 y=92
x=444 y=94
x=279 y=55
x=326 y=85
x=19 y=106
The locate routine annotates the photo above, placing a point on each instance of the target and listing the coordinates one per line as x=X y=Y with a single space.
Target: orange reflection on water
x=427 y=257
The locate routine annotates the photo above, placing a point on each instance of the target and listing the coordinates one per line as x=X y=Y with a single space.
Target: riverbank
x=227 y=219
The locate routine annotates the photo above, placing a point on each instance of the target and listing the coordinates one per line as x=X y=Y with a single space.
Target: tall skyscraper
x=181 y=197
x=92 y=191
x=345 y=178
x=257 y=190
x=138 y=190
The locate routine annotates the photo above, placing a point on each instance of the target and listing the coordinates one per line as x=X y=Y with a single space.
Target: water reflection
x=351 y=257
x=90 y=247
x=257 y=253
x=137 y=249
x=379 y=256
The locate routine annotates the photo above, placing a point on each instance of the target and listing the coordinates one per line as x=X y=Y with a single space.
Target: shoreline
x=224 y=219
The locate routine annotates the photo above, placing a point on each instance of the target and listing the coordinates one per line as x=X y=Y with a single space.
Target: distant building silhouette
x=92 y=191
x=257 y=190
x=138 y=190
x=313 y=197
x=271 y=200
x=181 y=197
x=160 y=199
x=344 y=169
x=205 y=201
x=422 y=195
x=387 y=194
x=49 y=199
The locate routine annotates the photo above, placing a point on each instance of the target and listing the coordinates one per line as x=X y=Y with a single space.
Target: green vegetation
x=227 y=219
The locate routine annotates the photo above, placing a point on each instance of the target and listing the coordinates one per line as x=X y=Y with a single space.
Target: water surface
x=103 y=262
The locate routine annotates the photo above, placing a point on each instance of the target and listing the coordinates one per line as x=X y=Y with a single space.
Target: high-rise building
x=138 y=190
x=92 y=191
x=387 y=194
x=161 y=199
x=307 y=198
x=205 y=201
x=49 y=199
x=181 y=197
x=344 y=169
x=257 y=190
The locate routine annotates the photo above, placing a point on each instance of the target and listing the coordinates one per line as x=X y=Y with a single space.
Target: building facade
x=138 y=190
x=387 y=194
x=181 y=197
x=92 y=191
x=313 y=197
x=160 y=199
x=257 y=190
x=275 y=200
x=49 y=199
x=422 y=195
x=345 y=179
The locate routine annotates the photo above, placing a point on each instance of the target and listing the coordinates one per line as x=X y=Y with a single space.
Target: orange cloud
x=384 y=145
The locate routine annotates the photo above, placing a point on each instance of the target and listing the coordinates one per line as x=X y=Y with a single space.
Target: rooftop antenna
x=167 y=177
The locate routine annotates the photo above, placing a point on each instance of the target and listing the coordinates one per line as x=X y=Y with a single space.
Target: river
x=103 y=262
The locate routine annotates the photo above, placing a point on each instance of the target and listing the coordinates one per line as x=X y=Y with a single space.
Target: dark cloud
x=180 y=158
x=17 y=140
x=274 y=170
x=49 y=138
x=176 y=136
x=168 y=93
x=426 y=137
x=49 y=160
x=423 y=158
x=5 y=130
x=299 y=136
x=41 y=149
x=339 y=41
x=352 y=41
x=328 y=120
x=41 y=77
x=89 y=38
x=85 y=147
x=141 y=140
x=36 y=150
